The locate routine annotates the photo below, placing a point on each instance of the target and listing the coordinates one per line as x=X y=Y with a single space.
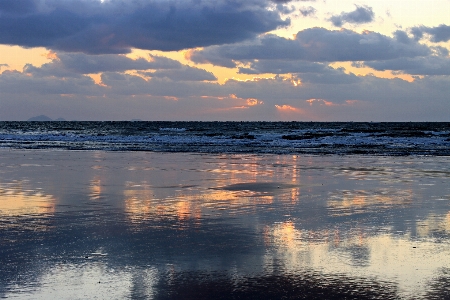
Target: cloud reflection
x=17 y=200
x=347 y=202
x=222 y=221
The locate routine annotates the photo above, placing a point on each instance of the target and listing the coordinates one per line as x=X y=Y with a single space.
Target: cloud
x=308 y=11
x=431 y=65
x=285 y=107
x=25 y=83
x=17 y=6
x=278 y=66
x=126 y=85
x=75 y=64
x=126 y=96
x=96 y=27
x=438 y=34
x=85 y=64
x=332 y=76
x=306 y=72
x=361 y=15
x=371 y=98
x=54 y=69
x=315 y=45
x=285 y=9
x=186 y=73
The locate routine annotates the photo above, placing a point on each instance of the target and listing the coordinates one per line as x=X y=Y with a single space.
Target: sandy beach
x=117 y=225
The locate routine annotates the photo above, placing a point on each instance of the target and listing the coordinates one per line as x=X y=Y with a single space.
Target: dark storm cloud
x=362 y=14
x=316 y=45
x=91 y=26
x=438 y=34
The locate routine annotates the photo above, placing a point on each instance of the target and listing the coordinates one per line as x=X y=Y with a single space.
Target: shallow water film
x=142 y=225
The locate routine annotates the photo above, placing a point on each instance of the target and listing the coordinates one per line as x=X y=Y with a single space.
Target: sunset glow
x=270 y=57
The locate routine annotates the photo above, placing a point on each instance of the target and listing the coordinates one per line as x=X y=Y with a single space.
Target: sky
x=225 y=60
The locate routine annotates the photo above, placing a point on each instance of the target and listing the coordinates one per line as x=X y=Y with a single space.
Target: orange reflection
x=14 y=201
x=350 y=202
x=141 y=205
x=434 y=224
x=95 y=188
x=138 y=204
x=295 y=195
x=186 y=210
x=242 y=184
x=286 y=235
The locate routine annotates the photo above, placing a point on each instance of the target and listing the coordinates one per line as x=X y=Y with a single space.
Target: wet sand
x=115 y=225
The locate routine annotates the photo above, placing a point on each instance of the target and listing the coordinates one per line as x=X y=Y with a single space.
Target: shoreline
x=393 y=139
x=306 y=154
x=112 y=217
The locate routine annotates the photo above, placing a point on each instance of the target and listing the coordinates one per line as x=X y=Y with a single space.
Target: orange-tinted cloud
x=323 y=102
x=51 y=55
x=352 y=102
x=287 y=108
x=248 y=101
x=320 y=102
x=170 y=98
x=253 y=102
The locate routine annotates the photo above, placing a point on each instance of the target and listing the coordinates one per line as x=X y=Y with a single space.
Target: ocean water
x=224 y=210
x=233 y=137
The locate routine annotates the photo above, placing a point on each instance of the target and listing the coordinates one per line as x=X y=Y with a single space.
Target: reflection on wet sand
x=434 y=225
x=412 y=264
x=170 y=226
x=95 y=188
x=346 y=202
x=142 y=201
x=17 y=200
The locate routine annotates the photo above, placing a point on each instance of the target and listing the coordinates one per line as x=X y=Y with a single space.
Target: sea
x=224 y=210
x=342 y=138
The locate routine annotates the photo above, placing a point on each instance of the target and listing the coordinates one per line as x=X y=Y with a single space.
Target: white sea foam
x=233 y=137
x=173 y=129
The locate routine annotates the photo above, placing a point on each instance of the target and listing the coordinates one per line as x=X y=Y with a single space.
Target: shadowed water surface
x=391 y=138
x=137 y=225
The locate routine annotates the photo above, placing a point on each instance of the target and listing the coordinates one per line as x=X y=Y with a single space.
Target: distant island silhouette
x=41 y=118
